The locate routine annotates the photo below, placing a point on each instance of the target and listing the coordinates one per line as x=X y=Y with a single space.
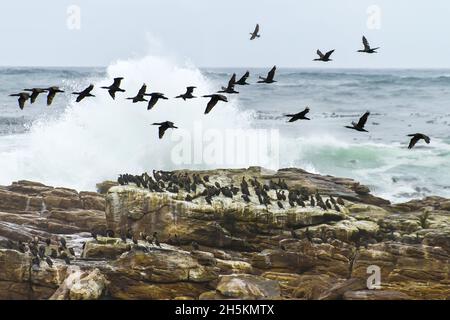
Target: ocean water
x=78 y=145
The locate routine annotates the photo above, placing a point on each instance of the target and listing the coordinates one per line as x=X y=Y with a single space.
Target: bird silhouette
x=140 y=96
x=52 y=91
x=35 y=92
x=299 y=116
x=215 y=98
x=324 y=57
x=230 y=88
x=115 y=87
x=416 y=137
x=255 y=33
x=155 y=96
x=243 y=80
x=188 y=94
x=23 y=97
x=367 y=48
x=163 y=126
x=85 y=93
x=361 y=123
x=270 y=76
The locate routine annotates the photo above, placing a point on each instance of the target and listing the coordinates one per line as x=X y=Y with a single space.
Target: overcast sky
x=212 y=33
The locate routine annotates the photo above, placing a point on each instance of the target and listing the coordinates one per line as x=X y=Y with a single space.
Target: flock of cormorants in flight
x=214 y=99
x=194 y=186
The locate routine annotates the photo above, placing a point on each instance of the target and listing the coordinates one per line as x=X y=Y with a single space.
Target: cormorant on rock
x=361 y=123
x=63 y=242
x=255 y=33
x=35 y=264
x=280 y=205
x=195 y=246
x=48 y=241
x=312 y=202
x=270 y=76
x=340 y=201
x=328 y=204
x=163 y=126
x=94 y=235
x=188 y=94
x=324 y=57
x=188 y=198
x=35 y=92
x=299 y=116
x=367 y=48
x=230 y=88
x=215 y=98
x=155 y=96
x=243 y=80
x=140 y=96
x=65 y=257
x=206 y=178
x=246 y=198
x=49 y=262
x=21 y=247
x=85 y=93
x=109 y=233
x=336 y=207
x=208 y=200
x=416 y=138
x=115 y=87
x=23 y=97
x=52 y=91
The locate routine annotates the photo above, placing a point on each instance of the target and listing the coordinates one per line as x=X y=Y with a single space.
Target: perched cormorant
x=270 y=76
x=63 y=242
x=49 y=261
x=195 y=246
x=230 y=88
x=115 y=87
x=299 y=116
x=361 y=123
x=367 y=48
x=416 y=138
x=243 y=80
x=155 y=98
x=324 y=57
x=35 y=92
x=188 y=94
x=214 y=99
x=140 y=96
x=52 y=91
x=246 y=198
x=163 y=126
x=85 y=93
x=23 y=97
x=255 y=33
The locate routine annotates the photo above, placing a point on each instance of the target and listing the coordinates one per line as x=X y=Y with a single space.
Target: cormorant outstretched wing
x=328 y=54
x=117 y=82
x=321 y=55
x=271 y=74
x=365 y=43
x=362 y=121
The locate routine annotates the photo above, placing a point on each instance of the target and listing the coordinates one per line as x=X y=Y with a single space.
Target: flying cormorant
x=324 y=57
x=85 y=93
x=163 y=126
x=230 y=88
x=35 y=93
x=243 y=80
x=188 y=94
x=367 y=48
x=270 y=76
x=115 y=87
x=52 y=91
x=255 y=33
x=155 y=98
x=416 y=138
x=23 y=97
x=361 y=123
x=140 y=96
x=299 y=116
x=214 y=99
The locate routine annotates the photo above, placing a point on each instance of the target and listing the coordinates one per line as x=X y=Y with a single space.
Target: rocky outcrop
x=243 y=250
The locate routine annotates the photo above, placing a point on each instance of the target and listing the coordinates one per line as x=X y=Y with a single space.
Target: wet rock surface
x=223 y=247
